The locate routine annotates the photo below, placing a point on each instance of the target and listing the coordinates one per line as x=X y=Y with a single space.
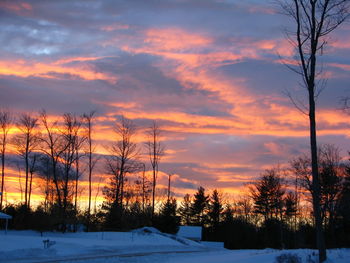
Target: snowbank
x=142 y=245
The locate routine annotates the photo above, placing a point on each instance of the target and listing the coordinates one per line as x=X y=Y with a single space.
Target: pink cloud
x=17 y=8
x=174 y=39
x=23 y=68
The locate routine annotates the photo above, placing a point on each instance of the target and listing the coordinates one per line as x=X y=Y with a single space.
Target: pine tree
x=290 y=203
x=167 y=221
x=199 y=207
x=185 y=210
x=228 y=214
x=267 y=194
x=215 y=209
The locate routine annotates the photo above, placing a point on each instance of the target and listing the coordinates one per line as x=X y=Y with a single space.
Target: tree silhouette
x=121 y=161
x=267 y=193
x=5 y=126
x=199 y=207
x=215 y=209
x=88 y=119
x=314 y=20
x=185 y=210
x=167 y=220
x=26 y=141
x=155 y=152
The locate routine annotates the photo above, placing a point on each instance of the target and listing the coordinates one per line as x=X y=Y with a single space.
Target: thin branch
x=303 y=109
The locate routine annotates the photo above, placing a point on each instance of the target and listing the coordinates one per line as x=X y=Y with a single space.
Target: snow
x=192 y=232
x=5 y=216
x=213 y=244
x=142 y=245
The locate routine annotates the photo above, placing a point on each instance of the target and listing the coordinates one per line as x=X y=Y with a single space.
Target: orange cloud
x=123 y=105
x=275 y=120
x=251 y=113
x=22 y=68
x=174 y=39
x=276 y=46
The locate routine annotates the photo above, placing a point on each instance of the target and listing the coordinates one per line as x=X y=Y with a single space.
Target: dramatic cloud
x=214 y=74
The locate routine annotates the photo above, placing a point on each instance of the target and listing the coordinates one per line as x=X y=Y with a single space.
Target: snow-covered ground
x=133 y=247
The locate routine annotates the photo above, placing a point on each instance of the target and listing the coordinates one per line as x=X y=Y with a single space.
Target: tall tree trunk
x=314 y=21
x=55 y=180
x=155 y=151
x=76 y=180
x=154 y=166
x=143 y=187
x=90 y=175
x=88 y=119
x=315 y=180
x=153 y=190
x=30 y=188
x=27 y=175
x=31 y=171
x=2 y=176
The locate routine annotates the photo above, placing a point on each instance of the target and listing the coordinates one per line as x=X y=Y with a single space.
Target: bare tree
x=32 y=169
x=330 y=176
x=79 y=142
x=122 y=161
x=88 y=120
x=26 y=141
x=155 y=151
x=145 y=186
x=314 y=21
x=96 y=194
x=244 y=208
x=53 y=145
x=45 y=178
x=5 y=126
x=20 y=180
x=346 y=104
x=72 y=142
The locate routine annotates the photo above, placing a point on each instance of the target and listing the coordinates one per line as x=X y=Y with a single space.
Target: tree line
x=275 y=211
x=56 y=152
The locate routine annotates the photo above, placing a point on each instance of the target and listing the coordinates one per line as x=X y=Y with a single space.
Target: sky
x=209 y=73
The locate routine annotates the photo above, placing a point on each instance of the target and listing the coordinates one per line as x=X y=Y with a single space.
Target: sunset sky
x=209 y=72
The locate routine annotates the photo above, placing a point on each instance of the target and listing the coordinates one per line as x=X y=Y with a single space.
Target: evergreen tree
x=199 y=207
x=267 y=194
x=185 y=210
x=290 y=203
x=228 y=215
x=215 y=209
x=167 y=220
